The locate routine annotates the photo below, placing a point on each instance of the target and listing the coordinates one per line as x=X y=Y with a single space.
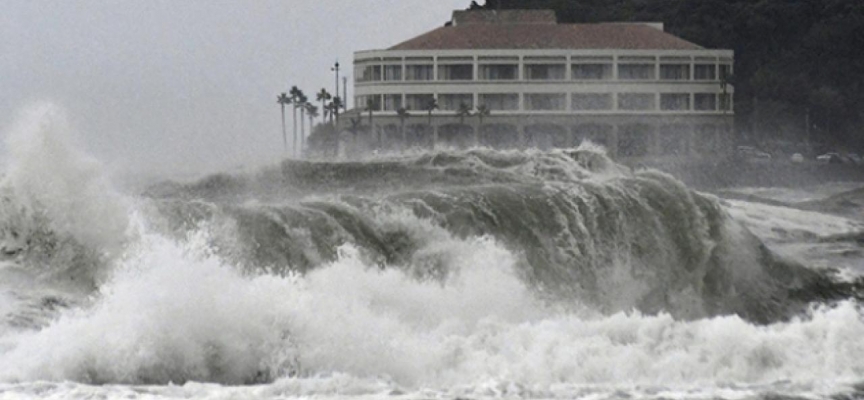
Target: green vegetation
x=794 y=58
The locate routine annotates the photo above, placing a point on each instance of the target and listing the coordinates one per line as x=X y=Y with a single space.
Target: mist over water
x=472 y=273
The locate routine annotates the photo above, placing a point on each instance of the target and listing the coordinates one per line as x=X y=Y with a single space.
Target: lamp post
x=336 y=69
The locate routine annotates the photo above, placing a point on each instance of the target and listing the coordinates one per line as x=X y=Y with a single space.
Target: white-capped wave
x=57 y=205
x=173 y=312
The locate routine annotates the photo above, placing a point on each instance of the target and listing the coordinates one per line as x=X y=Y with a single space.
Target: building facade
x=631 y=87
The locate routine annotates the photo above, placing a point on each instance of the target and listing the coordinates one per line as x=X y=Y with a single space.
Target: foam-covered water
x=473 y=274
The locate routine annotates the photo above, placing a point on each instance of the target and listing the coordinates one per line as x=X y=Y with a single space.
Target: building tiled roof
x=484 y=30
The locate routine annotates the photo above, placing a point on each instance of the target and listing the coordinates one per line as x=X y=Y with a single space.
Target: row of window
x=551 y=101
x=630 y=140
x=545 y=72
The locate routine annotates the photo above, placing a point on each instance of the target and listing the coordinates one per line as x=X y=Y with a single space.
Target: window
x=451 y=102
x=372 y=73
x=499 y=72
x=364 y=102
x=705 y=102
x=637 y=71
x=637 y=101
x=675 y=72
x=592 y=71
x=546 y=101
x=392 y=72
x=418 y=102
x=419 y=72
x=674 y=101
x=392 y=102
x=500 y=101
x=591 y=101
x=545 y=72
x=705 y=72
x=457 y=72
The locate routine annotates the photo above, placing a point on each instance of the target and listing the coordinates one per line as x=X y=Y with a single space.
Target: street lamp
x=336 y=69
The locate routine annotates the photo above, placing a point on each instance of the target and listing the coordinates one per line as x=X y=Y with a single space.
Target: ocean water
x=455 y=274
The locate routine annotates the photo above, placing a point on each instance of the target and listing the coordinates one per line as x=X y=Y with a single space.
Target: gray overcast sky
x=188 y=85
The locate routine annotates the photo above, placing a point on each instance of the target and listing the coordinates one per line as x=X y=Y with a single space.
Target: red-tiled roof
x=503 y=35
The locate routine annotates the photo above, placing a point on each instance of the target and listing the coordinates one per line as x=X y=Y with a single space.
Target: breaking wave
x=533 y=274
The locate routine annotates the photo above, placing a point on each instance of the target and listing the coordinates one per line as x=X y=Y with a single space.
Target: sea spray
x=57 y=207
x=608 y=238
x=174 y=315
x=472 y=274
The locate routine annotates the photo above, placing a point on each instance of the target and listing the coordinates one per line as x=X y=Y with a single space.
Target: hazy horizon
x=161 y=86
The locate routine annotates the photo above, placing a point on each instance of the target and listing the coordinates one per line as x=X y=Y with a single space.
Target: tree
x=463 y=111
x=311 y=112
x=323 y=96
x=302 y=102
x=482 y=112
x=403 y=115
x=328 y=111
x=284 y=100
x=295 y=97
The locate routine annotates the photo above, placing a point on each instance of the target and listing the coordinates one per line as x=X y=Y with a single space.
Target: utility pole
x=336 y=69
x=345 y=93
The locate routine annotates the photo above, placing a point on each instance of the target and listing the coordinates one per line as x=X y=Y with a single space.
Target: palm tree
x=284 y=100
x=403 y=114
x=323 y=96
x=431 y=105
x=328 y=111
x=312 y=113
x=295 y=97
x=482 y=112
x=302 y=102
x=463 y=111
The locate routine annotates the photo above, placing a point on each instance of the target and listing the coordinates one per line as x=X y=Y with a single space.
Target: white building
x=630 y=86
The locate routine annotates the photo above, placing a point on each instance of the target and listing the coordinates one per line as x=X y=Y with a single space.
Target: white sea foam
x=172 y=312
x=49 y=177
